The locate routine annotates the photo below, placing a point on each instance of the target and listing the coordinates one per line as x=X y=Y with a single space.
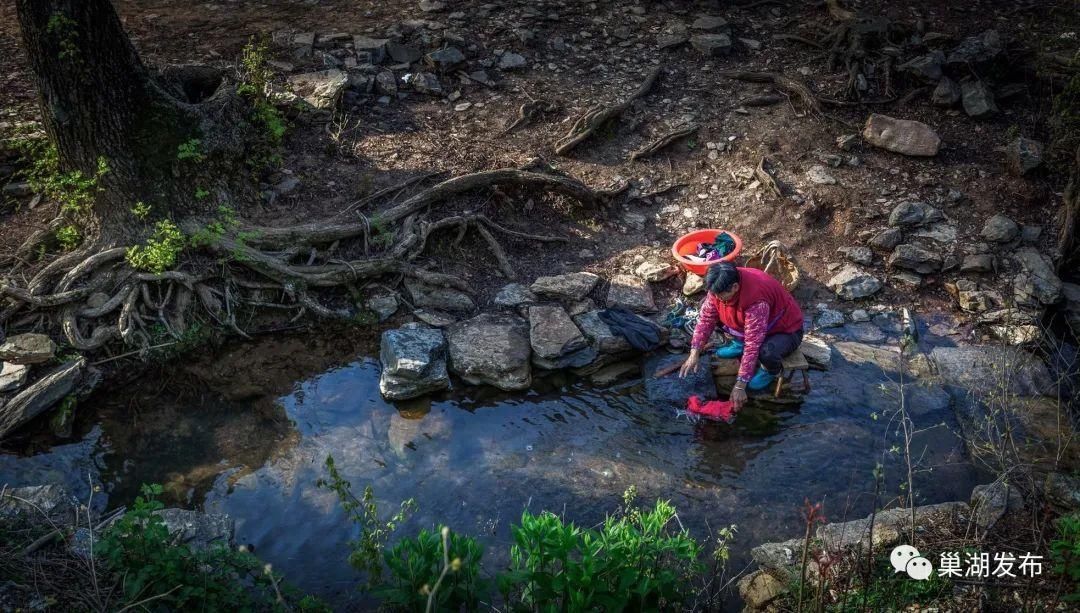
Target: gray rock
x=887 y=239
x=860 y=315
x=632 y=293
x=403 y=54
x=571 y=286
x=887 y=360
x=946 y=94
x=581 y=306
x=1024 y=155
x=29 y=348
x=556 y=341
x=859 y=255
x=915 y=258
x=865 y=332
x=1017 y=334
x=846 y=142
x=988 y=370
x=655 y=271
x=819 y=175
x=693 y=284
x=828 y=318
x=759 y=588
x=432 y=6
x=1030 y=234
x=851 y=283
x=1037 y=280
x=907 y=279
x=926 y=67
x=53 y=500
x=512 y=61
x=12 y=375
x=321 y=90
x=613 y=373
x=920 y=399
x=40 y=396
x=907 y=214
x=1071 y=291
x=711 y=45
x=198 y=530
x=17 y=189
x=491 y=349
x=425 y=83
x=514 y=294
x=383 y=306
x=938 y=232
x=373 y=48
x=977 y=98
x=441 y=298
x=446 y=58
x=386 y=83
x=979 y=262
x=600 y=336
x=901 y=135
x=710 y=23
x=816 y=351
x=414 y=363
x=976 y=49
x=1063 y=491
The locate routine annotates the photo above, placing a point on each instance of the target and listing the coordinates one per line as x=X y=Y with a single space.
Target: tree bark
x=99 y=101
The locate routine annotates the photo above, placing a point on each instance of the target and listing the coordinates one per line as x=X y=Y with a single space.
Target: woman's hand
x=691 y=363
x=738 y=397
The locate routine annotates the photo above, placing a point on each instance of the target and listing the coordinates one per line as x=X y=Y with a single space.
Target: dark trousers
x=776 y=347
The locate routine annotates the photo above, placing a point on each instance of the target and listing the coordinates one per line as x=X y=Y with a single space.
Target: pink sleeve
x=757 y=323
x=706 y=323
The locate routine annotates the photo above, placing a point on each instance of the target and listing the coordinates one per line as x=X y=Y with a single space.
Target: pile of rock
x=33 y=356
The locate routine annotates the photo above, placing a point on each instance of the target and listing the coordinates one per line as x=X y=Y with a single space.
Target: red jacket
x=785 y=316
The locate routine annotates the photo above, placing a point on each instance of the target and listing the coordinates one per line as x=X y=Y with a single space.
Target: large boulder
x=491 y=349
x=987 y=370
x=414 y=363
x=556 y=341
x=901 y=135
x=632 y=293
x=426 y=296
x=40 y=396
x=851 y=283
x=29 y=348
x=571 y=286
x=915 y=258
x=321 y=90
x=1037 y=279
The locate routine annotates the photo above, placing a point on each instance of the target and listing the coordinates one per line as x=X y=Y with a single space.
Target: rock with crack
x=655 y=271
x=1037 y=279
x=440 y=298
x=852 y=284
x=571 y=286
x=491 y=349
x=12 y=376
x=40 y=396
x=1000 y=229
x=630 y=292
x=321 y=90
x=556 y=341
x=414 y=363
x=29 y=348
x=1024 y=155
x=513 y=295
x=915 y=258
x=902 y=136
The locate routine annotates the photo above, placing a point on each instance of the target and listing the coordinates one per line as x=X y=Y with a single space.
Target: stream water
x=252 y=442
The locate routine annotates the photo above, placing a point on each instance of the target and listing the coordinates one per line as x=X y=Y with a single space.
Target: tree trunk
x=99 y=102
x=1069 y=239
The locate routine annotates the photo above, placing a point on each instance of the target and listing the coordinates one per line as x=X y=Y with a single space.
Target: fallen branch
x=597 y=116
x=664 y=141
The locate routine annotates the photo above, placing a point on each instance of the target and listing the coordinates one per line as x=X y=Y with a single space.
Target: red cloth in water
x=720 y=410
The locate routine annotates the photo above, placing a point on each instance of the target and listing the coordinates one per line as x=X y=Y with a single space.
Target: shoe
x=761 y=380
x=731 y=349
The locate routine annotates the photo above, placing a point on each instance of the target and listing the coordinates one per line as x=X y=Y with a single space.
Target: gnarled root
x=597 y=116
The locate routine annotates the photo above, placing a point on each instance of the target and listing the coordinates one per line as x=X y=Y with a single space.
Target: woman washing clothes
x=762 y=319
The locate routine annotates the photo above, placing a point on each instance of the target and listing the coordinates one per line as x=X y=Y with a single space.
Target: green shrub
x=74 y=190
x=1065 y=554
x=69 y=237
x=161 y=249
x=255 y=76
x=190 y=150
x=416 y=564
x=141 y=210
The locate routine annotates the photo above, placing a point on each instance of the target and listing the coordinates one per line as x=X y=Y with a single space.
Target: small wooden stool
x=794 y=362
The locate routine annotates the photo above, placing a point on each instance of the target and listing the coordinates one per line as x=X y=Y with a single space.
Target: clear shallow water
x=253 y=446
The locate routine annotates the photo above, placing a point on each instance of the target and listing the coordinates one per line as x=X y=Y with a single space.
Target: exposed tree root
x=664 y=141
x=788 y=85
x=530 y=112
x=597 y=116
x=764 y=173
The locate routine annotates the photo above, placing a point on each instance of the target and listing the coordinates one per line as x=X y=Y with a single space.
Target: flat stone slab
x=491 y=349
x=984 y=369
x=556 y=341
x=632 y=293
x=514 y=294
x=30 y=348
x=439 y=298
x=571 y=286
x=40 y=396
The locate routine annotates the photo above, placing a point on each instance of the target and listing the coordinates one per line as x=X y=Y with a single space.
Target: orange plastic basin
x=688 y=243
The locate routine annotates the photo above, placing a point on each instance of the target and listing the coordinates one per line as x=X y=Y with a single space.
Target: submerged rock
x=671 y=391
x=556 y=341
x=901 y=135
x=199 y=530
x=988 y=370
x=491 y=349
x=414 y=363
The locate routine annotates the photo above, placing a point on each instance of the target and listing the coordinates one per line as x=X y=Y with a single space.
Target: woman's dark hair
x=721 y=277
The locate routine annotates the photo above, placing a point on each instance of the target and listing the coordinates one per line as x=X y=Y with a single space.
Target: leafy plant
x=367 y=550
x=161 y=249
x=255 y=76
x=634 y=562
x=382 y=235
x=1065 y=554
x=74 y=190
x=201 y=193
x=190 y=150
x=69 y=237
x=141 y=210
x=63 y=28
x=443 y=567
